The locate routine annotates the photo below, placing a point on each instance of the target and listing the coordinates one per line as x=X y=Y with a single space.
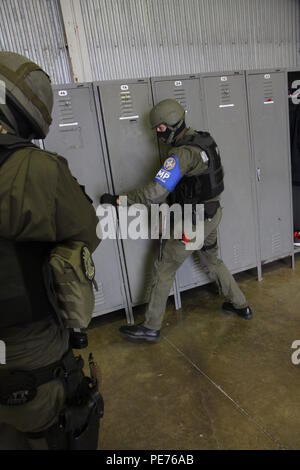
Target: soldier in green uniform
x=192 y=173
x=41 y=205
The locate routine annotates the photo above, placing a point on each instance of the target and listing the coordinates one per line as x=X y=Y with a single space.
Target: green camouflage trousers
x=173 y=255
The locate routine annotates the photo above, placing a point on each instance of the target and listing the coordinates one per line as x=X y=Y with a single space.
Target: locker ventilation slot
x=268 y=92
x=196 y=268
x=276 y=242
x=236 y=254
x=99 y=296
x=225 y=96
x=180 y=96
x=126 y=105
x=66 y=111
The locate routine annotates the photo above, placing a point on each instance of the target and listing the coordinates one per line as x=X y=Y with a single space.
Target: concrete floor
x=214 y=381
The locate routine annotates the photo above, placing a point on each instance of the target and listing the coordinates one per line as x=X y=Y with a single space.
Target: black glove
x=109 y=199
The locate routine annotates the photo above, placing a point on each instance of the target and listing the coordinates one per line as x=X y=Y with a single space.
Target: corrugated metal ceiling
x=129 y=38
x=34 y=28
x=141 y=38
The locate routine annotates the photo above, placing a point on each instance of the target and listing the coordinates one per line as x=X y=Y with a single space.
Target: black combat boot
x=245 y=312
x=140 y=333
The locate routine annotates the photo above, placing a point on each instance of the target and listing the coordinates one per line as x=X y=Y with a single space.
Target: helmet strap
x=175 y=130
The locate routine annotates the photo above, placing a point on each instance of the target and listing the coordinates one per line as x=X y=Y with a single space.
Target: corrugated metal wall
x=141 y=38
x=34 y=28
x=137 y=38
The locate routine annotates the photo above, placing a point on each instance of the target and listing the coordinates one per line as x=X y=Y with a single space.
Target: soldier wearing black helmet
x=192 y=173
x=41 y=205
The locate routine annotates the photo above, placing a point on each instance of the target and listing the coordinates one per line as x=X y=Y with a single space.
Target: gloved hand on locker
x=109 y=199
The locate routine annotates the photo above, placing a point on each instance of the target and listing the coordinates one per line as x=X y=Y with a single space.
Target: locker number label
x=62 y=93
x=124 y=87
x=267 y=76
x=178 y=83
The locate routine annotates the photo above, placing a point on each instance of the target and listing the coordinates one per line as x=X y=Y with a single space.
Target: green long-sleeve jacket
x=41 y=201
x=184 y=160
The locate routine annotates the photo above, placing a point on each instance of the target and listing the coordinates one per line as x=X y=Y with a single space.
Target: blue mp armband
x=169 y=175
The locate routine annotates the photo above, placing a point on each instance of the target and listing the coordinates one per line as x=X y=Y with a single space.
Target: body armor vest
x=209 y=184
x=23 y=293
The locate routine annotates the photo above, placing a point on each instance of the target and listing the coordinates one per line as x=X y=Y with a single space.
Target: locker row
x=103 y=130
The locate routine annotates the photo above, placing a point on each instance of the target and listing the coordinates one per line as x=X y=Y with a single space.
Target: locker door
x=134 y=161
x=74 y=134
x=186 y=90
x=227 y=121
x=267 y=97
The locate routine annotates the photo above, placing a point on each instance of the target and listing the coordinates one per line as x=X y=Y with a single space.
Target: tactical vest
x=209 y=184
x=23 y=295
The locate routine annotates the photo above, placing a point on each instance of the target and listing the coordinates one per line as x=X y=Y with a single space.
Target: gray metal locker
x=226 y=118
x=268 y=111
x=75 y=135
x=186 y=90
x=133 y=157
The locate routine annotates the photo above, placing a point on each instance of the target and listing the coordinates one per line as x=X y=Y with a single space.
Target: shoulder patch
x=87 y=263
x=170 y=163
x=169 y=175
x=204 y=156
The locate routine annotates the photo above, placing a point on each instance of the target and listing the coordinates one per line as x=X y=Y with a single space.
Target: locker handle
x=258 y=173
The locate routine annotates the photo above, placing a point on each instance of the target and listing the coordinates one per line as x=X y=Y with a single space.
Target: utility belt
x=78 y=424
x=210 y=210
x=18 y=387
x=77 y=427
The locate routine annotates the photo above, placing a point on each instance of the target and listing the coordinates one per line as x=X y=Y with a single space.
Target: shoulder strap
x=200 y=139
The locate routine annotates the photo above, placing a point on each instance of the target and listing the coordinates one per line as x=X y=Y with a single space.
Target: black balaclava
x=164 y=136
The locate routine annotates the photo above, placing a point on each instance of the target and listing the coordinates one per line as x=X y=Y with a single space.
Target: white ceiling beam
x=76 y=39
